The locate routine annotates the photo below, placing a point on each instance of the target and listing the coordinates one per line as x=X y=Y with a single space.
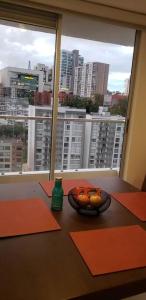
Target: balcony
x=40 y=157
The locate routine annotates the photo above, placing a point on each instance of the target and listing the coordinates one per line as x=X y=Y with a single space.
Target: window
x=90 y=74
x=66 y=144
x=92 y=85
x=117 y=139
x=116 y=145
x=114 y=161
x=7 y=166
x=38 y=150
x=66 y=139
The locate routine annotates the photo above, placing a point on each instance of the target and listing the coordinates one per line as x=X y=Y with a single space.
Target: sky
x=19 y=45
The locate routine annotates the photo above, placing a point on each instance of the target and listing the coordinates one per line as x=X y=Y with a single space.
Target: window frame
x=16 y=13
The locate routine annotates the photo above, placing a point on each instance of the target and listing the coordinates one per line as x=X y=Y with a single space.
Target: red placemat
x=135 y=202
x=113 y=249
x=67 y=185
x=20 y=217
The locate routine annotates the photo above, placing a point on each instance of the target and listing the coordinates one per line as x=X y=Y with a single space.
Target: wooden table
x=47 y=266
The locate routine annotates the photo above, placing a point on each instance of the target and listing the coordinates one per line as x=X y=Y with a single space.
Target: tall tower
x=91 y=79
x=69 y=61
x=29 y=65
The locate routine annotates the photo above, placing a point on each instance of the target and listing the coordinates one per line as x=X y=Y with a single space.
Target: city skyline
x=25 y=93
x=21 y=45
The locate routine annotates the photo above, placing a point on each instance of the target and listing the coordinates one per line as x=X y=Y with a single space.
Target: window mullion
x=55 y=98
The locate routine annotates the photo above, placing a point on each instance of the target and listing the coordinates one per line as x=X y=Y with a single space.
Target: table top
x=48 y=266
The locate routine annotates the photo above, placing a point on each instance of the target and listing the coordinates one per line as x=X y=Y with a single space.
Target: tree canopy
x=120 y=108
x=90 y=104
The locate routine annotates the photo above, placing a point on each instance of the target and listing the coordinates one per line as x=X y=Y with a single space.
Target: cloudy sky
x=18 y=46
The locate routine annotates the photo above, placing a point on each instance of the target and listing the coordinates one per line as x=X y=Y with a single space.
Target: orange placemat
x=67 y=185
x=20 y=217
x=113 y=249
x=135 y=202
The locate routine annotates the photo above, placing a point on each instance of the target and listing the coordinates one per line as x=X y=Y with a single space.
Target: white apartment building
x=69 y=141
x=91 y=79
x=78 y=144
x=104 y=140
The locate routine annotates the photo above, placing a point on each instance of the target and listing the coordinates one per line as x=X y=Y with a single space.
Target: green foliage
x=90 y=104
x=16 y=130
x=120 y=108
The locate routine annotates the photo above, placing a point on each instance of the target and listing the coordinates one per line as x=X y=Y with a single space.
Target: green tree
x=90 y=104
x=120 y=108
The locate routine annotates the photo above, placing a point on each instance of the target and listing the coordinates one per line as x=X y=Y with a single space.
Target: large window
x=96 y=62
x=91 y=101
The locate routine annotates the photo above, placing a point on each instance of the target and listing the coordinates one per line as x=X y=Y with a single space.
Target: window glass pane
x=26 y=89
x=94 y=85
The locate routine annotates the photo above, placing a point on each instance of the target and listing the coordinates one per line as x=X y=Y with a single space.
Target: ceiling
x=78 y=26
x=132 y=5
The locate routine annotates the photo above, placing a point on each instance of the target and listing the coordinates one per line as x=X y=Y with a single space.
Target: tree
x=90 y=104
x=120 y=108
x=16 y=130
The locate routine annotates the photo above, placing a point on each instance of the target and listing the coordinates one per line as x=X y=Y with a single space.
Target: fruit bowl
x=89 y=201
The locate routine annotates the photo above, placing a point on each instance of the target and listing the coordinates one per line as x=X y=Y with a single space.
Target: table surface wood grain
x=47 y=266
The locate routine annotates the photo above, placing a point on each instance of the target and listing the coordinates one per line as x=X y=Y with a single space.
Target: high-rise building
x=78 y=81
x=91 y=79
x=103 y=141
x=69 y=61
x=69 y=140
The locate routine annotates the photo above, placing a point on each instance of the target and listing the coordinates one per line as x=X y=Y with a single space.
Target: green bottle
x=57 y=195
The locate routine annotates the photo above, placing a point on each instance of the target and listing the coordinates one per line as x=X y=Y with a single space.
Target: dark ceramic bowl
x=89 y=209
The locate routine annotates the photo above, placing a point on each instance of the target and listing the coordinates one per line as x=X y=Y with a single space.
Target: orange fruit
x=83 y=199
x=95 y=199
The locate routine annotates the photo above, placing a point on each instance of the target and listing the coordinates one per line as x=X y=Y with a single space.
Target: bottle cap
x=58 y=178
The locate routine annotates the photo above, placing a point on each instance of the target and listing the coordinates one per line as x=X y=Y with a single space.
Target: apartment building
x=69 y=140
x=69 y=61
x=104 y=140
x=11 y=155
x=91 y=79
x=78 y=145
